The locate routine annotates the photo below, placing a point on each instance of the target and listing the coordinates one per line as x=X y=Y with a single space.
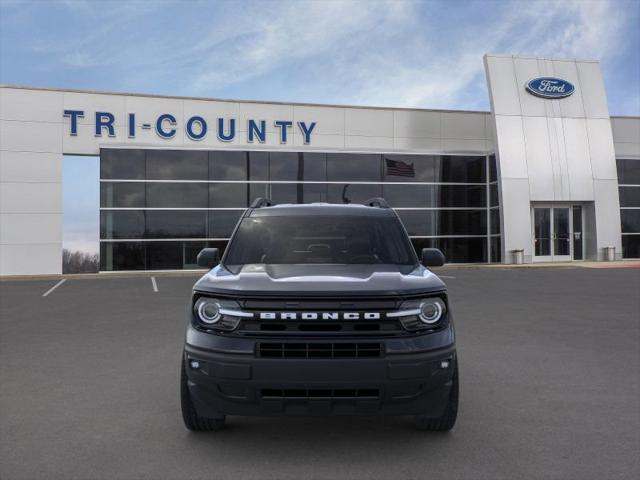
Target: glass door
x=542 y=233
x=561 y=234
x=557 y=233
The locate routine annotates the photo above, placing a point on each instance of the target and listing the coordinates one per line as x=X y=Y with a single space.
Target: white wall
x=34 y=135
x=552 y=150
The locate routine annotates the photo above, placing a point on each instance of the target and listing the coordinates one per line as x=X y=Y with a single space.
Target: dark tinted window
x=353 y=167
x=257 y=190
x=353 y=192
x=222 y=222
x=434 y=168
x=122 y=224
x=444 y=222
x=631 y=246
x=493 y=168
x=258 y=166
x=630 y=196
x=226 y=165
x=177 y=165
x=177 y=195
x=314 y=192
x=628 y=171
x=164 y=255
x=496 y=252
x=456 y=250
x=176 y=224
x=320 y=239
x=122 y=256
x=630 y=221
x=285 y=166
x=412 y=196
x=314 y=167
x=122 y=195
x=286 y=193
x=228 y=195
x=493 y=193
x=122 y=164
x=494 y=215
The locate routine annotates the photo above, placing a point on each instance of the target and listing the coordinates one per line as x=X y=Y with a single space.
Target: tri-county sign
x=550 y=87
x=196 y=127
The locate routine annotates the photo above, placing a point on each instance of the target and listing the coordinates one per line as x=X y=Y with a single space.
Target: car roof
x=291 y=209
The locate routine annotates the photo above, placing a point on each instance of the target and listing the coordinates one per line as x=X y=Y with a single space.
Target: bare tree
x=79 y=262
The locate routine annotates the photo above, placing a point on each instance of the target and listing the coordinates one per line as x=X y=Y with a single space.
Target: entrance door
x=557 y=233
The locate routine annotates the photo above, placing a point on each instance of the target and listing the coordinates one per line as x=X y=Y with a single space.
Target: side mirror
x=432 y=257
x=208 y=257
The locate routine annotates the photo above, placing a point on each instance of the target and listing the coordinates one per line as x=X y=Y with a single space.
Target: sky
x=366 y=52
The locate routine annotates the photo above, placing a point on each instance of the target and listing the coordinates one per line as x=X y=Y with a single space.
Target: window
x=177 y=165
x=177 y=195
x=122 y=195
x=344 y=167
x=628 y=171
x=173 y=201
x=228 y=165
x=123 y=164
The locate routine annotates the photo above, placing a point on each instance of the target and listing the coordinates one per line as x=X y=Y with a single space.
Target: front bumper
x=410 y=378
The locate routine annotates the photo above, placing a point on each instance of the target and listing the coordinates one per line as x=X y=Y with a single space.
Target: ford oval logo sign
x=550 y=87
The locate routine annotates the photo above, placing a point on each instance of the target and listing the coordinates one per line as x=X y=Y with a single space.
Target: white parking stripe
x=446 y=276
x=54 y=287
x=154 y=284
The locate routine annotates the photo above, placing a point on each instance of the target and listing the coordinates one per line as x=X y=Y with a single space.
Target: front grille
x=319 y=350
x=302 y=327
x=320 y=393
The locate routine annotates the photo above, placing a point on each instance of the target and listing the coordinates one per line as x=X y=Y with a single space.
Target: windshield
x=320 y=239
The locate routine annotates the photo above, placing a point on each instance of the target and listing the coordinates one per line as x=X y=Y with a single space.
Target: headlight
x=431 y=310
x=208 y=311
x=217 y=314
x=421 y=314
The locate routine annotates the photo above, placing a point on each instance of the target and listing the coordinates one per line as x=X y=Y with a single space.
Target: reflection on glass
x=352 y=192
x=630 y=221
x=228 y=195
x=177 y=165
x=222 y=223
x=124 y=164
x=542 y=229
x=122 y=195
x=628 y=171
x=285 y=166
x=361 y=167
x=176 y=224
x=225 y=165
x=561 y=234
x=177 y=195
x=121 y=224
x=577 y=232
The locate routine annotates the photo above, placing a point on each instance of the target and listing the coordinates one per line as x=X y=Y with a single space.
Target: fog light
x=194 y=364
x=444 y=364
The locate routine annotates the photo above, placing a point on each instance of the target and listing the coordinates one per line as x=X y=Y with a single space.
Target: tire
x=191 y=419
x=445 y=422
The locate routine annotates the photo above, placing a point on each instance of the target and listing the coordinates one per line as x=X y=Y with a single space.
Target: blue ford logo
x=550 y=87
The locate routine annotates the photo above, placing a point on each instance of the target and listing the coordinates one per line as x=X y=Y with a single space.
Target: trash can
x=518 y=257
x=610 y=253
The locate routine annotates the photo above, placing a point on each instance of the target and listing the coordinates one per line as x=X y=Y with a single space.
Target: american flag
x=399 y=168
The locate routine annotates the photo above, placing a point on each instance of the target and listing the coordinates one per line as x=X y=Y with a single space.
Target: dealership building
x=546 y=175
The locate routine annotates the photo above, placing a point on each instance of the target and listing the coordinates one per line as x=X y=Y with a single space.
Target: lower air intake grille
x=319 y=350
x=320 y=393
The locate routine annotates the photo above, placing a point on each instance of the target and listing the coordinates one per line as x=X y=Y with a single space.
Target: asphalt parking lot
x=550 y=387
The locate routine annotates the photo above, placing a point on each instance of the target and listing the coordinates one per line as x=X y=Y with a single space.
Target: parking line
x=54 y=287
x=154 y=284
x=446 y=276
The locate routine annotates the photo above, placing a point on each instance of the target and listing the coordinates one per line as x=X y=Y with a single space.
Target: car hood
x=319 y=280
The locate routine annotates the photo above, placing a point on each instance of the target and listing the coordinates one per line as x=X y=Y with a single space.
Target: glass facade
x=629 y=190
x=158 y=208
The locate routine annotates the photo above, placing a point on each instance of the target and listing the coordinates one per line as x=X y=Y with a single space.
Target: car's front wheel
x=447 y=420
x=192 y=420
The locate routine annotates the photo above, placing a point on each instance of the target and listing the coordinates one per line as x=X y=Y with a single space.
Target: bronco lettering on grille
x=320 y=316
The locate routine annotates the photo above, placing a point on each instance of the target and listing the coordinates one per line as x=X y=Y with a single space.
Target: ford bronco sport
x=319 y=309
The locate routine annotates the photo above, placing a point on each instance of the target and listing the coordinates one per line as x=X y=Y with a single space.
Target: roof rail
x=377 y=202
x=261 y=202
